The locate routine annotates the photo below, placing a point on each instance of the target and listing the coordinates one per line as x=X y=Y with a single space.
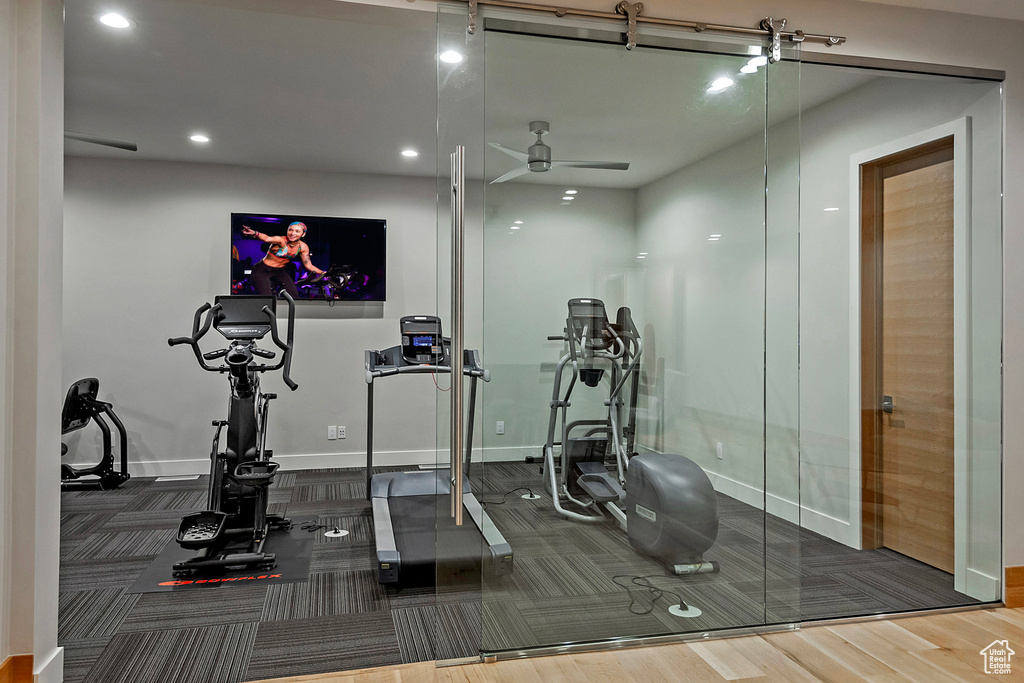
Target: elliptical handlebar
x=197 y=334
x=211 y=314
x=286 y=347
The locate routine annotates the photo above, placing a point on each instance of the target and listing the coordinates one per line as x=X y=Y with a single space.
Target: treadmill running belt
x=418 y=525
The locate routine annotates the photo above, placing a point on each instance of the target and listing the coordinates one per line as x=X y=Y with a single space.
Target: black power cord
x=312 y=525
x=641 y=587
x=507 y=494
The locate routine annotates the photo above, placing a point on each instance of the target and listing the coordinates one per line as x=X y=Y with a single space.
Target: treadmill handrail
x=374 y=370
x=482 y=521
x=383 y=530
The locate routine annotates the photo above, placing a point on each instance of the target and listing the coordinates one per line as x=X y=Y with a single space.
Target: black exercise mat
x=293 y=548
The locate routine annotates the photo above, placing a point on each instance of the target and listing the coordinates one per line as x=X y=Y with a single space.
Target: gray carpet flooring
x=571 y=583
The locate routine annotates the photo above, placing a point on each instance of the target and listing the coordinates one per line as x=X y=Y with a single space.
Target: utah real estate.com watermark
x=997 y=657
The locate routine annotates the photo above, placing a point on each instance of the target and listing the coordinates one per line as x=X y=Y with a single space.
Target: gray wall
x=148 y=242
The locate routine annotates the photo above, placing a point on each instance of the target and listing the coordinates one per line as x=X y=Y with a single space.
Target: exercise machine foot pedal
x=256 y=472
x=201 y=529
x=598 y=483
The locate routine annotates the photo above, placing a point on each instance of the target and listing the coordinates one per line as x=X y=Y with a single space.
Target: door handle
x=887 y=404
x=457 y=356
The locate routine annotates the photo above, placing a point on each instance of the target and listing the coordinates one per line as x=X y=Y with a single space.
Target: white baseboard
x=510 y=454
x=300 y=461
x=812 y=520
x=308 y=461
x=51 y=670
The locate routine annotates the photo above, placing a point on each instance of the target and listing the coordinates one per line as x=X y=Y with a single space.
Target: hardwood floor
x=933 y=649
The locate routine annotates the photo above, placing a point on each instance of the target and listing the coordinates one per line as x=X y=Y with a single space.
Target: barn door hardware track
x=774 y=30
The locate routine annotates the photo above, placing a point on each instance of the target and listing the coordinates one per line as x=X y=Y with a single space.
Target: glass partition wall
x=797 y=367
x=900 y=328
x=675 y=437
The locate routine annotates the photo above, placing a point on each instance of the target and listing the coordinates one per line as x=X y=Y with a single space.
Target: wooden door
x=908 y=347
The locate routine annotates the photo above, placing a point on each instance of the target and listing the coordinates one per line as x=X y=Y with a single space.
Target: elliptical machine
x=232 y=531
x=665 y=503
x=81 y=406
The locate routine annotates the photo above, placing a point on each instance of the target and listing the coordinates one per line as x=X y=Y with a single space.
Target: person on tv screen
x=281 y=252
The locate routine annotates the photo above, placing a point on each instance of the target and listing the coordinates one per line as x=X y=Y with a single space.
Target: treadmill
x=406 y=518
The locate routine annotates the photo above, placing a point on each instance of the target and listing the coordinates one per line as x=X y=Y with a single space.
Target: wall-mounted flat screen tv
x=269 y=253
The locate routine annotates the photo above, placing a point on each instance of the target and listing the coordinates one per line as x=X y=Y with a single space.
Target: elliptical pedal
x=201 y=529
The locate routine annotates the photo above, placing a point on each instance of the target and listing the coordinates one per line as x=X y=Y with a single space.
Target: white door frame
x=960 y=129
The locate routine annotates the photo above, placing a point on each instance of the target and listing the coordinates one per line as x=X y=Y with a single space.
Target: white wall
x=7 y=58
x=31 y=120
x=721 y=194
x=584 y=248
x=706 y=302
x=899 y=33
x=148 y=242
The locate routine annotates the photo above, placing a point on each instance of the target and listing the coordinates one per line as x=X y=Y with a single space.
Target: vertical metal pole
x=469 y=425
x=457 y=357
x=369 y=439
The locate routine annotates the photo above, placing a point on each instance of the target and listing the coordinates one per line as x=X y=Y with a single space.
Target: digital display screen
x=352 y=252
x=425 y=340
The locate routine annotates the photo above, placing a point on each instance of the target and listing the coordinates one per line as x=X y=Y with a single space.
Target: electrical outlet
x=332 y=432
x=500 y=429
x=341 y=431
x=718 y=450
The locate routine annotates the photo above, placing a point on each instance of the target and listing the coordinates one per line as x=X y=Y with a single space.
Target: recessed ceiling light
x=832 y=208
x=641 y=256
x=715 y=235
x=114 y=20
x=720 y=84
x=518 y=222
x=567 y=198
x=199 y=137
x=643 y=253
x=513 y=227
x=410 y=153
x=571 y=191
x=714 y=239
x=450 y=57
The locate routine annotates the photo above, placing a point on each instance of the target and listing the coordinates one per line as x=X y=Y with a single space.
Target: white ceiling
x=1002 y=9
x=329 y=86
x=344 y=88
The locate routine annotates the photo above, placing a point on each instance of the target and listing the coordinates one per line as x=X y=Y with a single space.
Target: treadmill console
x=422 y=343
x=589 y=323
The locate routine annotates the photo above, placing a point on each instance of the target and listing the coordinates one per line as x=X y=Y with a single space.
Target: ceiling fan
x=538 y=157
x=97 y=140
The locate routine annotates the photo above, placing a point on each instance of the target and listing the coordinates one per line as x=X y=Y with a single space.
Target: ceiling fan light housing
x=540 y=157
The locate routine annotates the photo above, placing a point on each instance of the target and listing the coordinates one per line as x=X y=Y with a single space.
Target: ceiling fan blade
x=514 y=153
x=607 y=165
x=512 y=174
x=96 y=140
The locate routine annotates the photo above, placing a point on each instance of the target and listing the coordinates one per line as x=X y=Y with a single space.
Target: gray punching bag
x=671 y=508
